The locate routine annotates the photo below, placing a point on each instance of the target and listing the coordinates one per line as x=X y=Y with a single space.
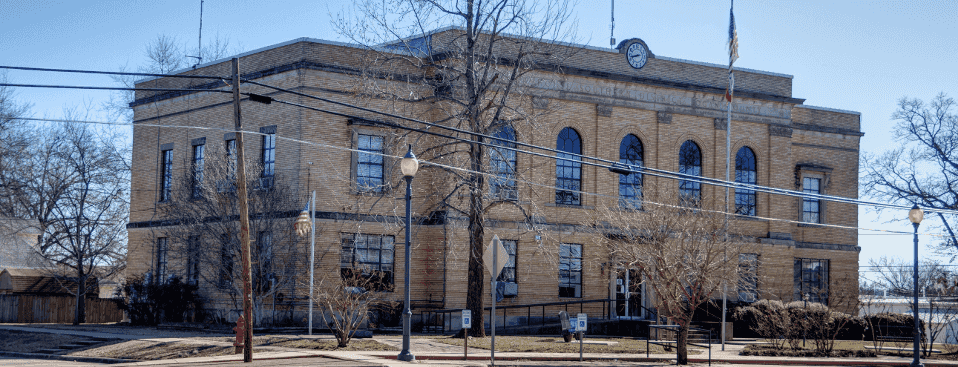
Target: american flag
x=732 y=40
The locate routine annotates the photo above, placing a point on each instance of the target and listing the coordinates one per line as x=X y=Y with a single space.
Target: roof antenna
x=199 y=46
x=612 y=32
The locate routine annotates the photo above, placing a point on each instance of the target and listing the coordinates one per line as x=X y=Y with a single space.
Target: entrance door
x=628 y=294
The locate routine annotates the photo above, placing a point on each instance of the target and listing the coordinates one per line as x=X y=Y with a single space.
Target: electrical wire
x=423 y=162
x=112 y=88
x=608 y=163
x=109 y=72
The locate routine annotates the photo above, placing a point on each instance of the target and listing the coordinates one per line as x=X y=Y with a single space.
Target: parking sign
x=582 y=322
x=466 y=319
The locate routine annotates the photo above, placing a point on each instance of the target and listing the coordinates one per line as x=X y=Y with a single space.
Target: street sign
x=466 y=319
x=582 y=322
x=501 y=257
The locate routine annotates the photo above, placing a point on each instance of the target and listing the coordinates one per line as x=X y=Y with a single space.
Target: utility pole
x=244 y=218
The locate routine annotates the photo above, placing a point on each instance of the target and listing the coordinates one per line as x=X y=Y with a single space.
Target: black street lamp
x=915 y=215
x=409 y=165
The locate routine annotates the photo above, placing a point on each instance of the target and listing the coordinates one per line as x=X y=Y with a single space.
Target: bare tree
x=75 y=187
x=202 y=244
x=16 y=137
x=924 y=169
x=681 y=250
x=350 y=299
x=897 y=275
x=473 y=77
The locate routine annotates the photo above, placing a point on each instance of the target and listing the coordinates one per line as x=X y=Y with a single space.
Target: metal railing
x=675 y=329
x=440 y=321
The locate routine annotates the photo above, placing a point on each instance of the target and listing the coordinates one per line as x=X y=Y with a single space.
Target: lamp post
x=915 y=215
x=409 y=165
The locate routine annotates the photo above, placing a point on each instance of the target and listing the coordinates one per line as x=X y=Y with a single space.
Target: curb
x=821 y=362
x=68 y=358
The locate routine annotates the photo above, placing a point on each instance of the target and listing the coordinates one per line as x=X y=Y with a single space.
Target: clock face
x=637 y=55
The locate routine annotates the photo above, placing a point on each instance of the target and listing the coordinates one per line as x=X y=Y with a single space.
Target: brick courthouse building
x=597 y=103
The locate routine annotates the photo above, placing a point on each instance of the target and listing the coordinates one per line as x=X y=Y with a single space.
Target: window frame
x=630 y=185
x=748 y=283
x=748 y=174
x=264 y=253
x=268 y=157
x=804 y=284
x=192 y=259
x=162 y=258
x=512 y=247
x=569 y=261
x=807 y=203
x=358 y=163
x=166 y=175
x=503 y=165
x=568 y=188
x=380 y=280
x=690 y=191
x=198 y=167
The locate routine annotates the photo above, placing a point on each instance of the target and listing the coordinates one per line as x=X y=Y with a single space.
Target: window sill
x=811 y=225
x=748 y=218
x=569 y=206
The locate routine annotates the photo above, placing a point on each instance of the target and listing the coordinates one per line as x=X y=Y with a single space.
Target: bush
x=149 y=303
x=890 y=325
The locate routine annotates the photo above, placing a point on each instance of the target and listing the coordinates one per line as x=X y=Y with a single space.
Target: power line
x=322 y=145
x=609 y=163
x=110 y=72
x=111 y=88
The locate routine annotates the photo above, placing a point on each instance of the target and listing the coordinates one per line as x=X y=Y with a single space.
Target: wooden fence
x=55 y=309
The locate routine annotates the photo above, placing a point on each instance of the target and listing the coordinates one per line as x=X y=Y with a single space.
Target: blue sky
x=852 y=55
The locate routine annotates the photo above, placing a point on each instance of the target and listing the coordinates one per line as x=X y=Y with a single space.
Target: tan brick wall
x=440 y=256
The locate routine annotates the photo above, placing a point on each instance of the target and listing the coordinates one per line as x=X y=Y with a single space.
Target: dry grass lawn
x=145 y=350
x=26 y=342
x=540 y=344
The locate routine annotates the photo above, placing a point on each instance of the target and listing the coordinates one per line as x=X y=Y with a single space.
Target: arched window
x=690 y=163
x=745 y=173
x=568 y=168
x=630 y=185
x=502 y=164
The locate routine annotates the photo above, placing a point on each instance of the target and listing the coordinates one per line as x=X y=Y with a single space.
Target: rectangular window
x=370 y=256
x=226 y=262
x=162 y=246
x=811 y=207
x=166 y=174
x=508 y=273
x=811 y=280
x=369 y=166
x=748 y=277
x=570 y=270
x=193 y=260
x=198 y=165
x=264 y=261
x=268 y=160
x=231 y=157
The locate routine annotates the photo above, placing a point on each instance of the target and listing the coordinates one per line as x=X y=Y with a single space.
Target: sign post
x=466 y=324
x=495 y=258
x=582 y=322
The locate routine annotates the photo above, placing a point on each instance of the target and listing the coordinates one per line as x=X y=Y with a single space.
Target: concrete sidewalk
x=430 y=352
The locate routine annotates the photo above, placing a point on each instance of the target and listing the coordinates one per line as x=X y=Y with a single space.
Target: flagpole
x=312 y=255
x=732 y=55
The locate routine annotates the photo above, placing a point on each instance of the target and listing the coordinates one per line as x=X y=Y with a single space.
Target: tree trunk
x=476 y=231
x=682 y=344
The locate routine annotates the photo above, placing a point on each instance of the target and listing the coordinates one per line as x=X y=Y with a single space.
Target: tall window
x=570 y=270
x=745 y=173
x=568 y=168
x=226 y=262
x=369 y=163
x=502 y=162
x=690 y=163
x=166 y=175
x=370 y=256
x=162 y=246
x=747 y=277
x=264 y=251
x=269 y=160
x=231 y=158
x=630 y=186
x=193 y=259
x=508 y=273
x=198 y=165
x=811 y=207
x=811 y=280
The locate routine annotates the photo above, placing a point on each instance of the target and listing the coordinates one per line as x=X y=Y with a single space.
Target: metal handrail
x=439 y=326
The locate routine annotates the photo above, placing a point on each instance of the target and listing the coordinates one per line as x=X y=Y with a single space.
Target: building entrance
x=629 y=294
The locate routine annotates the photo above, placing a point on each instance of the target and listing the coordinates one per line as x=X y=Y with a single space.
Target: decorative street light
x=409 y=165
x=915 y=215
